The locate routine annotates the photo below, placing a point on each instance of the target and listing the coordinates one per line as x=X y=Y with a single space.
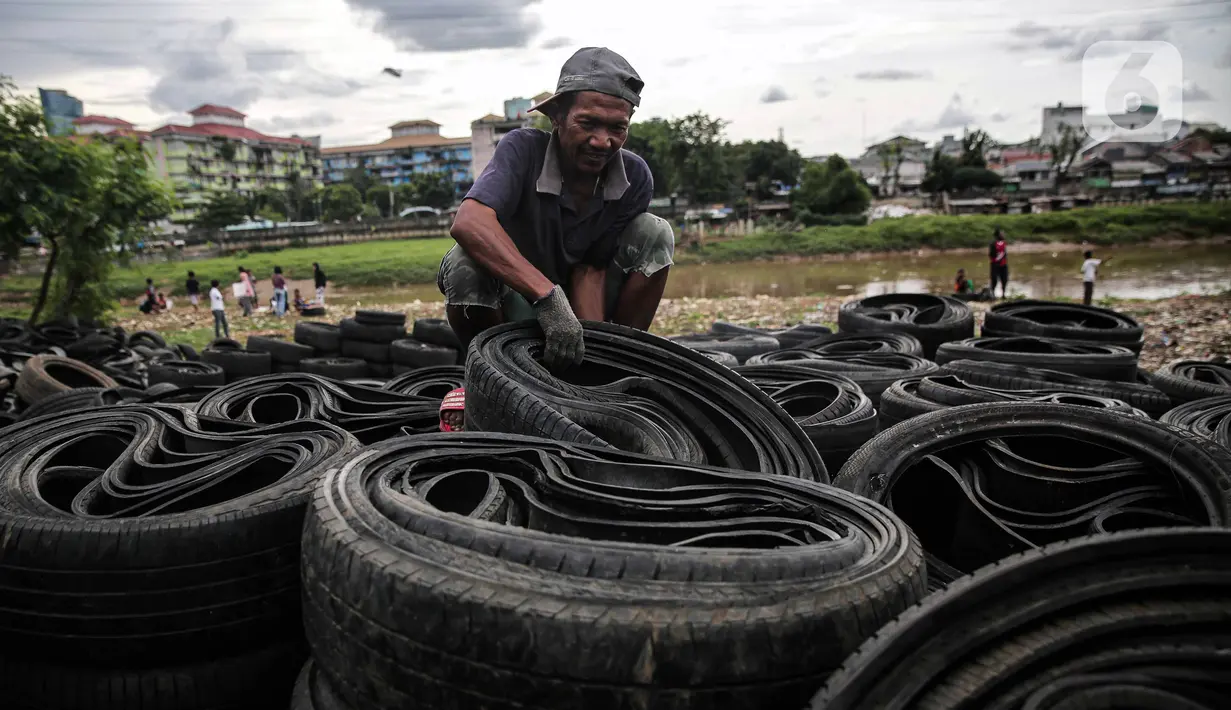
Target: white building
x=486 y=132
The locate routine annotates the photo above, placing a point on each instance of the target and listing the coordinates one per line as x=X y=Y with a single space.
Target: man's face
x=593 y=131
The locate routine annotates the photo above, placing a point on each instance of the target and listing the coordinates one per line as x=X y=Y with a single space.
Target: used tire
x=980 y=482
x=238 y=364
x=380 y=370
x=147 y=338
x=873 y=372
x=280 y=351
x=436 y=331
x=407 y=579
x=337 y=368
x=434 y=382
x=351 y=329
x=1064 y=321
x=413 y=352
x=370 y=317
x=741 y=346
x=1099 y=362
x=852 y=343
x=1188 y=380
x=224 y=344
x=835 y=414
x=185 y=373
x=313 y=312
x=1133 y=619
x=187 y=352
x=320 y=336
x=649 y=396
x=932 y=319
x=1209 y=418
x=791 y=337
x=45 y=375
x=1014 y=377
x=721 y=358
x=361 y=350
x=112 y=567
x=313 y=692
x=72 y=400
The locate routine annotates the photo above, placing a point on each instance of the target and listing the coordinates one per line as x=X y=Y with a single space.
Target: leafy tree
x=700 y=160
x=432 y=189
x=271 y=199
x=830 y=188
x=223 y=209
x=342 y=202
x=967 y=177
x=384 y=198
x=939 y=176
x=652 y=141
x=764 y=162
x=359 y=178
x=1064 y=151
x=975 y=145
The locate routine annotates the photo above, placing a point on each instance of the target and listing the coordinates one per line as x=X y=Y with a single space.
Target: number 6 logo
x=1132 y=91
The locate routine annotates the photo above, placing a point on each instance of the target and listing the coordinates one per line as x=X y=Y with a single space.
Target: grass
x=388 y=264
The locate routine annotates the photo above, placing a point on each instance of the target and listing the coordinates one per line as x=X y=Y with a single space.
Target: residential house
x=487 y=131
x=218 y=152
x=949 y=146
x=414 y=147
x=1028 y=175
x=880 y=167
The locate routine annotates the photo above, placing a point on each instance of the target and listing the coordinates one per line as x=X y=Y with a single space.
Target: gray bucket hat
x=597 y=69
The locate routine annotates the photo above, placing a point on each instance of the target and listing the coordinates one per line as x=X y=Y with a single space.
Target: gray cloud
x=1224 y=61
x=291 y=124
x=774 y=94
x=557 y=43
x=954 y=115
x=1075 y=42
x=1192 y=92
x=453 y=25
x=892 y=75
x=1000 y=117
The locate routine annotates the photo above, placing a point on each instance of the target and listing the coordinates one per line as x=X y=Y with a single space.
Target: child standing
x=1089 y=270
x=193 y=288
x=218 y=308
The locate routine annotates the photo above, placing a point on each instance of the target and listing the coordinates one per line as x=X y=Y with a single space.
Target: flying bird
x=392 y=72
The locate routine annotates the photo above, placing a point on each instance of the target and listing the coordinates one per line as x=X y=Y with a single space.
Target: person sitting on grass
x=299 y=303
x=961 y=284
x=151 y=298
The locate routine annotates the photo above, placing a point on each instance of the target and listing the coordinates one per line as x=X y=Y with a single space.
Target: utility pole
x=780 y=135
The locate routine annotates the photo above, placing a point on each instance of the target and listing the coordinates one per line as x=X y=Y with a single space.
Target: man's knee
x=647 y=245
x=464 y=283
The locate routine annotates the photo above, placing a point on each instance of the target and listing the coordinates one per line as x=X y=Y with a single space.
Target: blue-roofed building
x=60 y=109
x=414 y=147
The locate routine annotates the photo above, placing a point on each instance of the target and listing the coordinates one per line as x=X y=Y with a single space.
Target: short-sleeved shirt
x=215 y=300
x=278 y=281
x=192 y=286
x=524 y=185
x=1089 y=269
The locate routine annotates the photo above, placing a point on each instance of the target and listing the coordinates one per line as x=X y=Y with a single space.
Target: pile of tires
x=933 y=320
x=1062 y=321
x=150 y=558
x=1127 y=620
x=1094 y=360
x=728 y=347
x=1191 y=380
x=480 y=570
x=1209 y=418
x=236 y=362
x=980 y=482
x=285 y=356
x=789 y=337
x=874 y=372
x=367 y=337
x=432 y=344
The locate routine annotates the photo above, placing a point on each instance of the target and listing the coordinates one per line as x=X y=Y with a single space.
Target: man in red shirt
x=998 y=254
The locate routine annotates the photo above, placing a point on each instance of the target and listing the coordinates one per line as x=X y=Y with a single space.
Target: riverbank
x=399 y=263
x=1186 y=326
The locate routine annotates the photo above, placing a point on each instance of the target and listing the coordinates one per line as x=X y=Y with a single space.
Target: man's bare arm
x=478 y=231
x=587 y=291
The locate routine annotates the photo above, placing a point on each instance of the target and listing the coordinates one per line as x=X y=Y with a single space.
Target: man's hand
x=562 y=330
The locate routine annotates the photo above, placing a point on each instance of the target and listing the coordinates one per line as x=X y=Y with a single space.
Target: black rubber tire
x=791 y=337
x=1065 y=321
x=74 y=400
x=1209 y=418
x=1099 y=362
x=370 y=317
x=44 y=375
x=1075 y=484
x=1123 y=614
x=362 y=350
x=932 y=319
x=93 y=346
x=281 y=369
x=313 y=312
x=224 y=344
x=147 y=338
x=1013 y=377
x=313 y=692
x=380 y=370
x=185 y=373
x=435 y=331
x=434 y=382
x=413 y=352
x=336 y=368
x=182 y=395
x=351 y=329
x=788 y=615
x=280 y=351
x=721 y=358
x=160 y=388
x=741 y=346
x=848 y=343
x=320 y=336
x=649 y=396
x=376 y=382
x=835 y=414
x=901 y=401
x=188 y=352
x=1188 y=380
x=239 y=364
x=873 y=372
x=260 y=679
x=197 y=563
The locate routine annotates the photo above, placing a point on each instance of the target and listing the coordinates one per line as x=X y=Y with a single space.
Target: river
x=1037 y=271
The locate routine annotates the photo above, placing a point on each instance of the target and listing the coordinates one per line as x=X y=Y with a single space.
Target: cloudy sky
x=833 y=75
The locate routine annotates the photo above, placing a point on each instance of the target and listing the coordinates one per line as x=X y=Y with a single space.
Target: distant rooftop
x=216 y=110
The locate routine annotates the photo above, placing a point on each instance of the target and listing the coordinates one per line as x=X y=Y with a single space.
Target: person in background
x=1089 y=270
x=298 y=302
x=279 y=284
x=248 y=292
x=193 y=288
x=218 y=308
x=961 y=284
x=151 y=297
x=160 y=303
x=998 y=254
x=318 y=277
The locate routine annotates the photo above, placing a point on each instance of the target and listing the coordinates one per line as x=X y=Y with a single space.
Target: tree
x=975 y=145
x=271 y=199
x=342 y=202
x=763 y=163
x=432 y=189
x=223 y=209
x=830 y=188
x=359 y=178
x=967 y=177
x=939 y=176
x=699 y=159
x=1064 y=151
x=652 y=141
x=384 y=198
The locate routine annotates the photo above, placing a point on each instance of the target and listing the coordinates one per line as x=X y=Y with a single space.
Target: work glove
x=561 y=329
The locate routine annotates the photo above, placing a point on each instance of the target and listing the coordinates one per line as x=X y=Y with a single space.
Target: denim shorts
x=646 y=246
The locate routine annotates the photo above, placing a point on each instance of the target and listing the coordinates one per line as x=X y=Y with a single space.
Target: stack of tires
x=367 y=337
x=285 y=355
x=236 y=362
x=432 y=343
x=325 y=339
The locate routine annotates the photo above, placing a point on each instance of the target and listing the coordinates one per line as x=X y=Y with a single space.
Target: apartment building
x=413 y=147
x=487 y=131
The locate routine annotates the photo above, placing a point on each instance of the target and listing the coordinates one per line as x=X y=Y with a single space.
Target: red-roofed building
x=218 y=152
x=87 y=125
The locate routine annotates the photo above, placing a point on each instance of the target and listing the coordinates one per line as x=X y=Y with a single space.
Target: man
x=998 y=254
x=556 y=227
x=1089 y=271
x=318 y=277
